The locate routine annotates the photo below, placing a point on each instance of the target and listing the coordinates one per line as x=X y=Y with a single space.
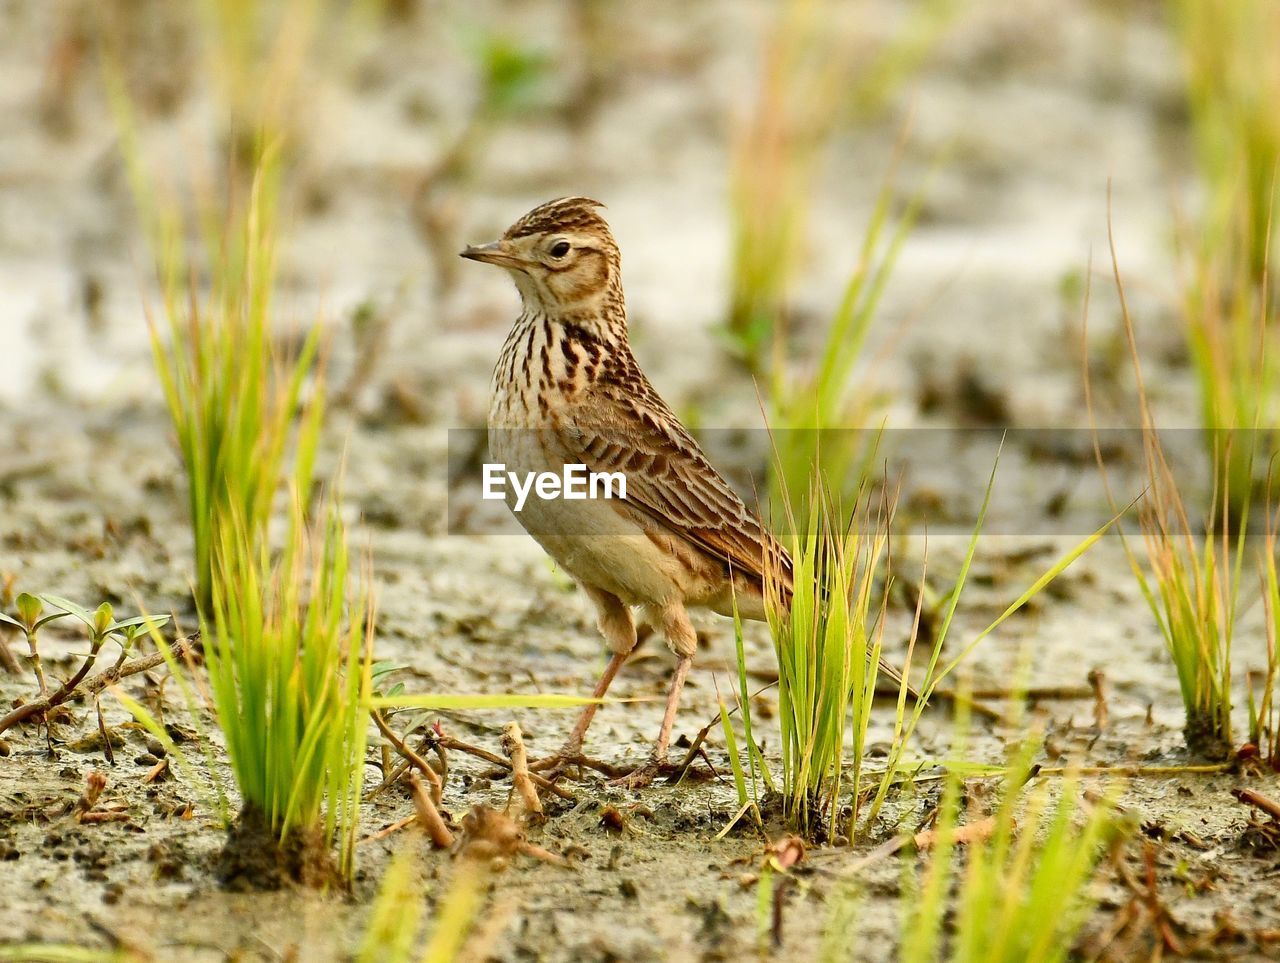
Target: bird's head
x=563 y=259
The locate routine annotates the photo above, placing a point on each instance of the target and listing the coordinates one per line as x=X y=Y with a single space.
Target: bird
x=567 y=390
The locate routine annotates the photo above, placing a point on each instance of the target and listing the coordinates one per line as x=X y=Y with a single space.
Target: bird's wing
x=670 y=479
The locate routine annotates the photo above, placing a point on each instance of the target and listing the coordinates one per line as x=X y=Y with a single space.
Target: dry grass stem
x=428 y=815
x=391 y=830
x=157 y=771
x=1254 y=798
x=1098 y=684
x=448 y=742
x=513 y=746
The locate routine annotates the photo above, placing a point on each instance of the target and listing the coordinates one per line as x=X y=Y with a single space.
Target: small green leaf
x=102 y=618
x=511 y=72
x=58 y=602
x=381 y=669
x=29 y=609
x=49 y=618
x=10 y=621
x=140 y=621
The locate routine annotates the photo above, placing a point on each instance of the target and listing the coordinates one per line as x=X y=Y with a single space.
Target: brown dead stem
x=448 y=742
x=1145 y=900
x=1252 y=797
x=1098 y=684
x=513 y=746
x=104 y=816
x=84 y=809
x=412 y=758
x=386 y=831
x=430 y=818
x=157 y=771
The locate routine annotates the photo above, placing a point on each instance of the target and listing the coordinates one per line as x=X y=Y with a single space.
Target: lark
x=567 y=390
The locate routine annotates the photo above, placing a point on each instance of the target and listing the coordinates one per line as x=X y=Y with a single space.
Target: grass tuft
x=394 y=931
x=814 y=77
x=827 y=622
x=246 y=419
x=1192 y=589
x=1025 y=889
x=829 y=646
x=235 y=397
x=1264 y=710
x=290 y=657
x=1191 y=581
x=1231 y=51
x=1231 y=57
x=819 y=415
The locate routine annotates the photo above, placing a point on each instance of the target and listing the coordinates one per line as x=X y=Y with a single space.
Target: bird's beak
x=495 y=252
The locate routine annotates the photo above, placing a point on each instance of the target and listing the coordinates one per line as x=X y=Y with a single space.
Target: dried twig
x=83 y=809
x=433 y=777
x=428 y=815
x=448 y=742
x=1044 y=693
x=1098 y=684
x=107 y=752
x=1146 y=896
x=513 y=746
x=157 y=771
x=388 y=830
x=695 y=748
x=1252 y=797
x=598 y=765
x=107 y=816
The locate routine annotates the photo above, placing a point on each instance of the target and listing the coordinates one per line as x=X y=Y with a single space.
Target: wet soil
x=254 y=858
x=1039 y=106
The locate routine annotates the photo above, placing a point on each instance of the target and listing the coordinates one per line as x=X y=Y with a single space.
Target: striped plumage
x=567 y=390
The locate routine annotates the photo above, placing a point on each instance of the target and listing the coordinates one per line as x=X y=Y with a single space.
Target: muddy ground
x=1038 y=105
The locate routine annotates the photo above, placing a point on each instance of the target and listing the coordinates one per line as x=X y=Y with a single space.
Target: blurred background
x=741 y=148
x=833 y=214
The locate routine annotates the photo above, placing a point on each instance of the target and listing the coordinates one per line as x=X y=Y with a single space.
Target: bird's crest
x=562 y=214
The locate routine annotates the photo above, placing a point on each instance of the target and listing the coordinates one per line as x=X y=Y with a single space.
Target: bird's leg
x=646 y=773
x=572 y=747
x=684 y=642
x=619 y=630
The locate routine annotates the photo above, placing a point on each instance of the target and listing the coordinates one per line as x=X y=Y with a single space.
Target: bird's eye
x=559 y=249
